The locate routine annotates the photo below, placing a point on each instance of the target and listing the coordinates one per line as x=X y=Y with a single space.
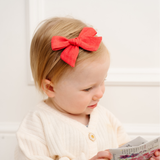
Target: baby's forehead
x=85 y=71
x=85 y=67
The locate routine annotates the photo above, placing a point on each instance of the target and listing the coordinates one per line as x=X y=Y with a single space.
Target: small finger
x=109 y=153
x=104 y=155
x=154 y=158
x=157 y=153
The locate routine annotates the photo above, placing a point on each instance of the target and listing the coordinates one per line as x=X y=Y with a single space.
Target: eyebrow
x=89 y=86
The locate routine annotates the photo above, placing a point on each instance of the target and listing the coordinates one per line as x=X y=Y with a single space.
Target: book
x=137 y=149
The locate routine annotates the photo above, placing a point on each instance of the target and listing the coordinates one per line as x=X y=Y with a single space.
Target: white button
x=92 y=137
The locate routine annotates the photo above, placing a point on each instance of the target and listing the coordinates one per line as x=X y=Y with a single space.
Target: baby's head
x=46 y=64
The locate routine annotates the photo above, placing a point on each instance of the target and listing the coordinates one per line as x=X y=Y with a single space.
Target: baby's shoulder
x=41 y=114
x=39 y=109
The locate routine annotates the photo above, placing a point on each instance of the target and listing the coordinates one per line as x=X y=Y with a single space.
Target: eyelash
x=91 y=87
x=87 y=89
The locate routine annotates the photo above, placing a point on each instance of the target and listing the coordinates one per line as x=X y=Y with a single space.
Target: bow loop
x=87 y=32
x=85 y=40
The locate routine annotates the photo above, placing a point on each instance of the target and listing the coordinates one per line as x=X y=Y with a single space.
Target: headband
x=85 y=40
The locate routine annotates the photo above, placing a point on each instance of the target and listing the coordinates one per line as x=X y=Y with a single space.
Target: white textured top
x=46 y=134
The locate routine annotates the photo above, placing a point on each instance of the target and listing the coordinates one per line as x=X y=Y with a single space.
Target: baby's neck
x=82 y=119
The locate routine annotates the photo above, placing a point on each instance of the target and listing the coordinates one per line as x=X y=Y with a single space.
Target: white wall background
x=130 y=30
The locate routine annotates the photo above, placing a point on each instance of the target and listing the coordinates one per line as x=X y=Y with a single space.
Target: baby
x=69 y=64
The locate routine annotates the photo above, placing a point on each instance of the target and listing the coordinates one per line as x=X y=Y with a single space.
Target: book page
x=137 y=149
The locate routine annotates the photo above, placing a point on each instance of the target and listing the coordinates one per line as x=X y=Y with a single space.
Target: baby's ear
x=47 y=87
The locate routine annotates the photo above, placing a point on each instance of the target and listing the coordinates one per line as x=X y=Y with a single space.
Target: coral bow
x=85 y=40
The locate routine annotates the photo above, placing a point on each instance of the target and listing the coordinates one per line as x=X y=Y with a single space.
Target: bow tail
x=69 y=55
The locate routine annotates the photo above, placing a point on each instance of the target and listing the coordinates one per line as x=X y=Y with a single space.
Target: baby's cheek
x=81 y=104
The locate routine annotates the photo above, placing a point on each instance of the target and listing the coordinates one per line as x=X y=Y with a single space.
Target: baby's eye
x=87 y=89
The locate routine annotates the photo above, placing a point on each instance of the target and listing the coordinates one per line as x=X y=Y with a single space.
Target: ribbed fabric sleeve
x=46 y=134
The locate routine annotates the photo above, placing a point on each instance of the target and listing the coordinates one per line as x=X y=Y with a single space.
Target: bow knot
x=85 y=40
x=74 y=41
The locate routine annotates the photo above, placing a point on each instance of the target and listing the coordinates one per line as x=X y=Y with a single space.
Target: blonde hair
x=46 y=63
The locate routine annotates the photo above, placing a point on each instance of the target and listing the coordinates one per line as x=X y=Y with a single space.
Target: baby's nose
x=98 y=94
